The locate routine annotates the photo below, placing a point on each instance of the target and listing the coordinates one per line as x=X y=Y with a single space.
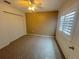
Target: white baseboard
x=7 y=43
x=40 y=35
x=4 y=45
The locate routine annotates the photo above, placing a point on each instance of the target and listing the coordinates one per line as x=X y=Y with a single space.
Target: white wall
x=11 y=26
x=63 y=41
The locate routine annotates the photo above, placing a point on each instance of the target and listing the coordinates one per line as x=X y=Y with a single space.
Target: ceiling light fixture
x=32 y=5
x=32 y=8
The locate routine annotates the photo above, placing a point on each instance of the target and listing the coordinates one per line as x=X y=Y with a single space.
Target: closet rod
x=12 y=13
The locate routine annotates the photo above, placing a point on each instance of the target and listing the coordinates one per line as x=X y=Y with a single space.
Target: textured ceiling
x=46 y=5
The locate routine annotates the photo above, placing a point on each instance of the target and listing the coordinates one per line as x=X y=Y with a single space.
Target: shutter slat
x=66 y=23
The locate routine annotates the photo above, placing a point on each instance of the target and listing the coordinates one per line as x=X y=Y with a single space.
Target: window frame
x=73 y=25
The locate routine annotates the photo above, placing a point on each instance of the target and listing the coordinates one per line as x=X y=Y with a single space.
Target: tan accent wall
x=43 y=23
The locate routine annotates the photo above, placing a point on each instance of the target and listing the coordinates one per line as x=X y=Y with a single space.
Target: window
x=66 y=23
